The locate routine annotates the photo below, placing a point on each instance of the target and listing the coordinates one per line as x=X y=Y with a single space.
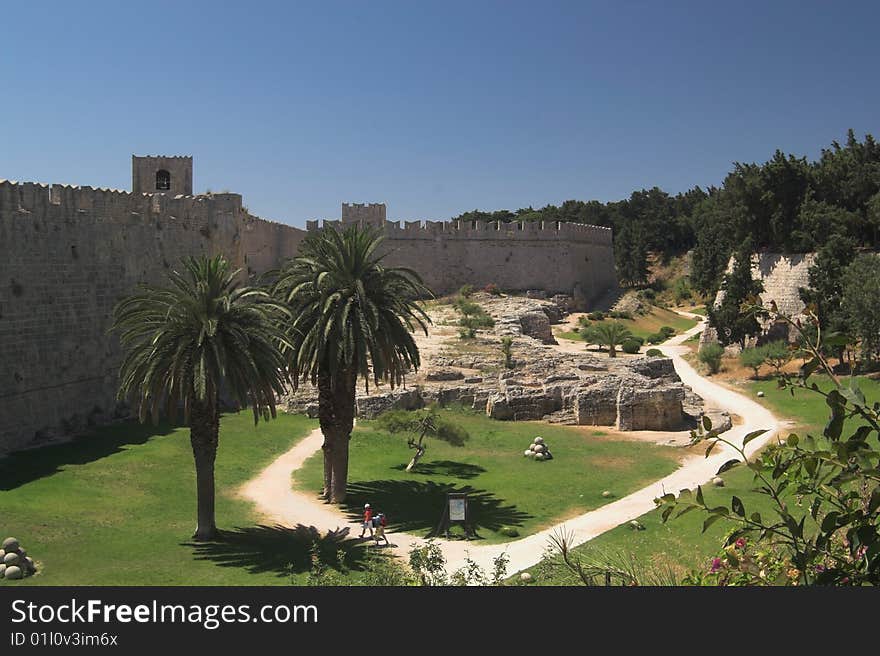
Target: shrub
x=710 y=355
x=648 y=294
x=467 y=333
x=654 y=353
x=492 y=288
x=630 y=346
x=777 y=354
x=466 y=291
x=752 y=358
x=583 y=321
x=656 y=338
x=620 y=314
x=596 y=316
x=669 y=331
x=681 y=290
x=640 y=340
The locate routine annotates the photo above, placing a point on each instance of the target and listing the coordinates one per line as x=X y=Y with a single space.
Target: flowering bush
x=825 y=490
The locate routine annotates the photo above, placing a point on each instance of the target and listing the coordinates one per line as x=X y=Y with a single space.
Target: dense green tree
x=631 y=255
x=185 y=343
x=730 y=318
x=826 y=282
x=351 y=317
x=861 y=302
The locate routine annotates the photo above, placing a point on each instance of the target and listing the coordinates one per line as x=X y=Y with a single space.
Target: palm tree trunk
x=203 y=435
x=336 y=409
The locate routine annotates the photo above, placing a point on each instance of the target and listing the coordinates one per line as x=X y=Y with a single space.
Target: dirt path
x=274 y=497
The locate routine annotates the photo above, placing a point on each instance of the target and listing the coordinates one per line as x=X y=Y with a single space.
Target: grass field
x=504 y=488
x=680 y=543
x=644 y=325
x=118 y=508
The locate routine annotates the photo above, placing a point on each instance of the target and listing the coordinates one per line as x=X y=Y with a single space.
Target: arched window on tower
x=163 y=180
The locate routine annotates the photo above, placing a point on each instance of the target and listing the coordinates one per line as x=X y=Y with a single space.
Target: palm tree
x=607 y=334
x=351 y=317
x=186 y=342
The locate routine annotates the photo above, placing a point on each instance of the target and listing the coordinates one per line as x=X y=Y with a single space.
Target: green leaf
x=756 y=517
x=829 y=523
x=707 y=423
x=748 y=438
x=711 y=446
x=700 y=495
x=736 y=505
x=730 y=464
x=711 y=519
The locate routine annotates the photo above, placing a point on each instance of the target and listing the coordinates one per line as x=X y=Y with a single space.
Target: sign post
x=455 y=510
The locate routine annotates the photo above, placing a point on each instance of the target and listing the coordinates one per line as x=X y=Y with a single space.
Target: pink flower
x=740 y=543
x=716 y=565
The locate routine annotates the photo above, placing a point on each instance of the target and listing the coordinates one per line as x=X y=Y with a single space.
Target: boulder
x=649 y=407
x=443 y=374
x=369 y=407
x=596 y=405
x=13 y=572
x=10 y=544
x=11 y=558
x=653 y=368
x=537 y=325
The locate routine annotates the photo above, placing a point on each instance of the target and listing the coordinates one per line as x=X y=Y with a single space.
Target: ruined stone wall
x=67 y=255
x=563 y=258
x=782 y=275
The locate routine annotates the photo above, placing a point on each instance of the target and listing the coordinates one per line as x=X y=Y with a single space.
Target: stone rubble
x=630 y=394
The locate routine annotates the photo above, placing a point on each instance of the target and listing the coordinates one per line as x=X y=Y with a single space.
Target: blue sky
x=432 y=108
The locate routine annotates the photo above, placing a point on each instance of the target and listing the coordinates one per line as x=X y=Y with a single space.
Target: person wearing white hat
x=368 y=520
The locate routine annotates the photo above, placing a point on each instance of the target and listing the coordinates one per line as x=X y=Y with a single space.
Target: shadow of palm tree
x=416 y=507
x=279 y=549
x=445 y=468
x=22 y=467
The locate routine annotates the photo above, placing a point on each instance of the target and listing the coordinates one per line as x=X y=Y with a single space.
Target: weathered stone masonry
x=68 y=254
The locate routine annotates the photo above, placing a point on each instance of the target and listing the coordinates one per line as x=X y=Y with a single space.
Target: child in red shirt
x=368 y=520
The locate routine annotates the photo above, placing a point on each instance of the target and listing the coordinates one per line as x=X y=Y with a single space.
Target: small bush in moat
x=710 y=355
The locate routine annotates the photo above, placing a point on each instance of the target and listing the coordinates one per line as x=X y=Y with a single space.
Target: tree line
x=787 y=204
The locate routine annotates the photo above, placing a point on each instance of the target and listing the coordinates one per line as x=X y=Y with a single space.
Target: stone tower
x=369 y=214
x=162 y=175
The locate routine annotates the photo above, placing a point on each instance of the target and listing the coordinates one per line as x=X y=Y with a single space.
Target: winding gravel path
x=274 y=497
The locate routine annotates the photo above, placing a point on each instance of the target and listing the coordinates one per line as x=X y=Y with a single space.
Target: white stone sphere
x=718 y=481
x=525 y=577
x=539 y=440
x=527 y=453
x=539 y=448
x=760 y=394
x=606 y=494
x=539 y=456
x=13 y=572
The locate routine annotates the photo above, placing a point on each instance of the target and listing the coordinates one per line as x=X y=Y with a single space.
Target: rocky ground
x=544 y=381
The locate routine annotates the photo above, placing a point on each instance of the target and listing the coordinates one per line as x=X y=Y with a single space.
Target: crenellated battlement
x=62 y=200
x=482 y=230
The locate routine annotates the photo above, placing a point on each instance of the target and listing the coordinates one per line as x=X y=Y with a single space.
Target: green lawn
x=118 y=507
x=644 y=325
x=679 y=543
x=505 y=489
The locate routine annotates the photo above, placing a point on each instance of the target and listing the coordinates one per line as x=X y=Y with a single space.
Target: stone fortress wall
x=564 y=258
x=68 y=254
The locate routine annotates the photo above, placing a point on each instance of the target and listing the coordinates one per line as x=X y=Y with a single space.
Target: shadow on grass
x=416 y=507
x=279 y=549
x=445 y=468
x=22 y=467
